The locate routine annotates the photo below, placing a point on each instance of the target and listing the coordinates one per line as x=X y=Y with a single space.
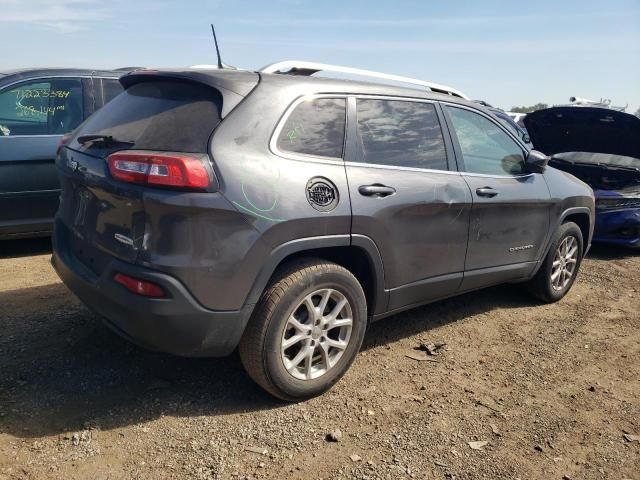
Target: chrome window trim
x=395 y=167
x=273 y=143
x=273 y=147
x=486 y=175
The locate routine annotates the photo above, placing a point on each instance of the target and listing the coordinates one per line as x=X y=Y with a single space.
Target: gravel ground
x=519 y=390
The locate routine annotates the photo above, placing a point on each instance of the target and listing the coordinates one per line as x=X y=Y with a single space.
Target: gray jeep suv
x=202 y=210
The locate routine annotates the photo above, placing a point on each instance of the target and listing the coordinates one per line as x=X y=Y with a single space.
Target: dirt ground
x=553 y=390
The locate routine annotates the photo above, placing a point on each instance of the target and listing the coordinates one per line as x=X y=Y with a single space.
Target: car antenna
x=215 y=40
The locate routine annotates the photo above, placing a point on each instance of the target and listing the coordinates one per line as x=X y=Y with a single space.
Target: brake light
x=140 y=287
x=63 y=141
x=161 y=169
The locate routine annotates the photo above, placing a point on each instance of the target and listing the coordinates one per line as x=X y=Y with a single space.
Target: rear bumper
x=177 y=324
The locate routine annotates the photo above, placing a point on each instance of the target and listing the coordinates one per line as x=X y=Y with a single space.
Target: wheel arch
x=356 y=253
x=583 y=220
x=583 y=217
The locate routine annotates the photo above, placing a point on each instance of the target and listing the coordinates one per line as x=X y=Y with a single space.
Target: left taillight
x=159 y=169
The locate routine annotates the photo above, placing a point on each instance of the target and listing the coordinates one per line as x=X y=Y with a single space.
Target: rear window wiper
x=108 y=139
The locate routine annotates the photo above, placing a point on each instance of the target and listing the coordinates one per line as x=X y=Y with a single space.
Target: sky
x=504 y=52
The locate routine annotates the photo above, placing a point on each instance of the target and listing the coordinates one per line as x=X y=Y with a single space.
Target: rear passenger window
x=401 y=133
x=316 y=127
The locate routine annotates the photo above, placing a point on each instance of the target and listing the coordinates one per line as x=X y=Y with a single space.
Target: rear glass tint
x=157 y=115
x=316 y=127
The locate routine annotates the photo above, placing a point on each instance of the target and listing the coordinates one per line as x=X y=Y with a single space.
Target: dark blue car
x=618 y=217
x=38 y=106
x=601 y=147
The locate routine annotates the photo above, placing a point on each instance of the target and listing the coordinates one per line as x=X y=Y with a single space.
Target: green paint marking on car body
x=256 y=214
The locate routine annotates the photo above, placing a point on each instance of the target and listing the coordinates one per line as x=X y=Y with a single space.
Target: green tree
x=533 y=108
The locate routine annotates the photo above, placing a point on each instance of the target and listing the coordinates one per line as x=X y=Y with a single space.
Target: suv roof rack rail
x=295 y=67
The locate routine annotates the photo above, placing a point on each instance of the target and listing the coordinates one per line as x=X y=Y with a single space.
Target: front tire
x=305 y=331
x=560 y=267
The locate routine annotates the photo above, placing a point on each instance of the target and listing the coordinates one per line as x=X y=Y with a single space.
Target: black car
x=36 y=108
x=203 y=210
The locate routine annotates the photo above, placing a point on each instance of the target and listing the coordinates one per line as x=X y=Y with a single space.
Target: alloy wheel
x=564 y=263
x=316 y=334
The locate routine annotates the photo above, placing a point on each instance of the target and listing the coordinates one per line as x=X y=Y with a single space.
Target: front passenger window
x=486 y=148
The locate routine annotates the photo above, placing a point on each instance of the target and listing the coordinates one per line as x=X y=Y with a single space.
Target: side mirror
x=536 y=161
x=526 y=138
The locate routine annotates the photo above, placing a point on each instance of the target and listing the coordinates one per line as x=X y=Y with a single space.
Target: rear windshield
x=155 y=115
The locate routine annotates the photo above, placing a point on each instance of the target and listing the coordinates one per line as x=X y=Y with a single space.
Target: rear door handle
x=376 y=190
x=486 y=192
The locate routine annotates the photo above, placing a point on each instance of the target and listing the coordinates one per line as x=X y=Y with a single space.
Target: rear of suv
x=204 y=210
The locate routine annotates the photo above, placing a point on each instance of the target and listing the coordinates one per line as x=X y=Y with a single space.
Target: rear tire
x=560 y=267
x=305 y=331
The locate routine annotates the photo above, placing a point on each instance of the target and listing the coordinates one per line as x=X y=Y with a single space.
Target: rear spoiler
x=233 y=85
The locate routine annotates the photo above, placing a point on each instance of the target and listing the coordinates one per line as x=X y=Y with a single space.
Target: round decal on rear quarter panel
x=322 y=194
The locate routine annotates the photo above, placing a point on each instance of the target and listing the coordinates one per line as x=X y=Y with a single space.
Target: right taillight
x=177 y=170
